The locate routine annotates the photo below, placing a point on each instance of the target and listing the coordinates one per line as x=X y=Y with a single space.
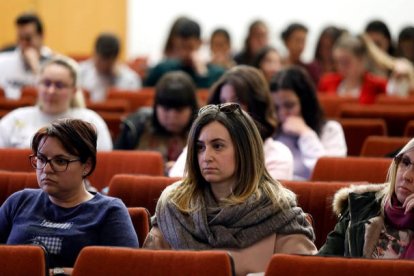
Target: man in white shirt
x=20 y=67
x=102 y=71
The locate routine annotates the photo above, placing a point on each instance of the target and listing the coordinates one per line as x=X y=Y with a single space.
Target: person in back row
x=228 y=200
x=58 y=97
x=103 y=71
x=187 y=43
x=20 y=67
x=303 y=128
x=246 y=86
x=62 y=215
x=377 y=220
x=165 y=126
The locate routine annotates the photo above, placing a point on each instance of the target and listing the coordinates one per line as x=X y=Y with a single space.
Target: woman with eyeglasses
x=62 y=215
x=302 y=125
x=247 y=86
x=228 y=199
x=58 y=97
x=377 y=220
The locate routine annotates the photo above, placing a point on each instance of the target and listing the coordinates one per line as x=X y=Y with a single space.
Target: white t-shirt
x=278 y=161
x=97 y=85
x=18 y=126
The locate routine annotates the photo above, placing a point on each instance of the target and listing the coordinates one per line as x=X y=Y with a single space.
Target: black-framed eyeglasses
x=57 y=84
x=58 y=164
x=403 y=162
x=225 y=108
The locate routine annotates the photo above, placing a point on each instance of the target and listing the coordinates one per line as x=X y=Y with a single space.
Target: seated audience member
x=58 y=97
x=294 y=39
x=323 y=61
x=380 y=35
x=377 y=221
x=257 y=38
x=188 y=42
x=228 y=200
x=21 y=66
x=220 y=49
x=406 y=43
x=62 y=215
x=303 y=128
x=171 y=46
x=165 y=126
x=268 y=61
x=352 y=78
x=246 y=86
x=102 y=71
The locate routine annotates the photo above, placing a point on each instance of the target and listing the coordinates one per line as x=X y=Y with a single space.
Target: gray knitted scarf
x=237 y=226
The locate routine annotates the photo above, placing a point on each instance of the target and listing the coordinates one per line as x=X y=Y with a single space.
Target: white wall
x=149 y=20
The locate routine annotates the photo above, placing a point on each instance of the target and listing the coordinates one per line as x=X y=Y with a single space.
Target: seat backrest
x=16 y=260
x=395 y=116
x=315 y=198
x=296 y=265
x=11 y=182
x=114 y=105
x=409 y=129
x=136 y=98
x=95 y=260
x=331 y=103
x=114 y=162
x=382 y=146
x=357 y=169
x=139 y=190
x=356 y=130
x=12 y=159
x=141 y=220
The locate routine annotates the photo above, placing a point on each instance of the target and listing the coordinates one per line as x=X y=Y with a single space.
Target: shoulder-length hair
x=251 y=174
x=298 y=80
x=251 y=91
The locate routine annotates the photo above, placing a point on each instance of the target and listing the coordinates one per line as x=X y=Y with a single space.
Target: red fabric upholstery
x=17 y=260
x=331 y=103
x=135 y=98
x=114 y=105
x=11 y=182
x=141 y=220
x=295 y=265
x=136 y=262
x=315 y=198
x=133 y=162
x=357 y=130
x=395 y=116
x=15 y=160
x=380 y=146
x=409 y=129
x=139 y=190
x=357 y=169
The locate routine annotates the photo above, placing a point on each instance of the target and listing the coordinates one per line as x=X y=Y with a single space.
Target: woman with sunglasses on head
x=62 y=215
x=377 y=221
x=58 y=97
x=228 y=200
x=247 y=86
